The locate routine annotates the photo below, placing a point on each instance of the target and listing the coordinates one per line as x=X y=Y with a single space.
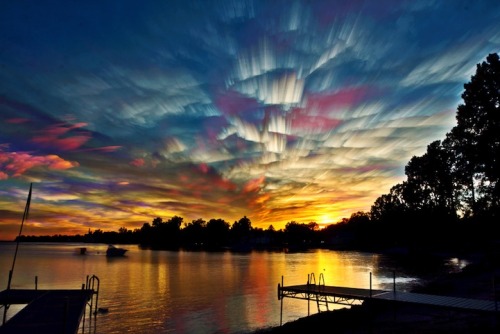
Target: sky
x=122 y=111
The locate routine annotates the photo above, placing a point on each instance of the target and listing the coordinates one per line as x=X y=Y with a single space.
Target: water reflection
x=185 y=292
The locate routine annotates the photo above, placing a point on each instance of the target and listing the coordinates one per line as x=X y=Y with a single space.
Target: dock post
x=5 y=308
x=280 y=292
x=370 y=284
x=394 y=314
x=394 y=281
x=308 y=298
x=36 y=282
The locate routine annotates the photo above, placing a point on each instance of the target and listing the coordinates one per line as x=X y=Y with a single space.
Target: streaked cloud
x=277 y=110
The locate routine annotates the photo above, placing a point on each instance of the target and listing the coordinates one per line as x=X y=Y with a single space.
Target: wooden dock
x=323 y=295
x=49 y=311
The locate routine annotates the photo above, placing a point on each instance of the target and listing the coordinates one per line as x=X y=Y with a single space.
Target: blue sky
x=122 y=111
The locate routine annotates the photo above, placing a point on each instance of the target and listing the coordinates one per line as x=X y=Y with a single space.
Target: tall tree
x=389 y=207
x=242 y=226
x=389 y=212
x=217 y=232
x=429 y=185
x=194 y=232
x=475 y=140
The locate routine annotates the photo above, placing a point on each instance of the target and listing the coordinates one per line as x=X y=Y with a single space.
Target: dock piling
x=280 y=293
x=370 y=285
x=394 y=281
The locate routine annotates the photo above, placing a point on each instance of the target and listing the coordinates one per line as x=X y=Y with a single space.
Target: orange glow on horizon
x=126 y=204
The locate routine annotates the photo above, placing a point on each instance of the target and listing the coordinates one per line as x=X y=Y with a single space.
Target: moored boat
x=115 y=251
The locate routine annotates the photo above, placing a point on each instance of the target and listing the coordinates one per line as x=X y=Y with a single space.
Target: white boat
x=115 y=251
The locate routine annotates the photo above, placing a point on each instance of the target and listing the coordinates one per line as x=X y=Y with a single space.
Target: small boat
x=113 y=251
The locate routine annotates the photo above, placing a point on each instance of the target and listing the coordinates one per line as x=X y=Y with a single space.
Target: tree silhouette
x=475 y=140
x=194 y=233
x=429 y=185
x=217 y=233
x=459 y=176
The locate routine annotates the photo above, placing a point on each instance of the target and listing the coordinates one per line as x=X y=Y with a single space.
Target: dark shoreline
x=480 y=280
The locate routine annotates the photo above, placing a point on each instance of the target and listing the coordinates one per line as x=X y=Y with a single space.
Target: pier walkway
x=48 y=311
x=324 y=295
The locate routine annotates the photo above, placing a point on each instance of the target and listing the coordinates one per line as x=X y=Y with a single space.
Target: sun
x=324 y=221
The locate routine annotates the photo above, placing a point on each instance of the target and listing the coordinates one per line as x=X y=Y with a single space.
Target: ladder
x=321 y=299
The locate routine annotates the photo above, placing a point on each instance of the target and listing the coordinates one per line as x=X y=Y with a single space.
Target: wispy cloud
x=277 y=110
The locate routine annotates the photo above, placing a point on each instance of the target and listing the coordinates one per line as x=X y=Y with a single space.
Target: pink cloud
x=50 y=137
x=138 y=162
x=254 y=184
x=224 y=184
x=17 y=163
x=301 y=120
x=344 y=98
x=204 y=179
x=65 y=144
x=233 y=103
x=204 y=168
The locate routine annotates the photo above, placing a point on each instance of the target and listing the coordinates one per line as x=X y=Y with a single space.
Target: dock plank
x=50 y=311
x=311 y=291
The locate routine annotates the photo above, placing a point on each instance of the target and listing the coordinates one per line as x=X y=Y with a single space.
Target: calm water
x=191 y=292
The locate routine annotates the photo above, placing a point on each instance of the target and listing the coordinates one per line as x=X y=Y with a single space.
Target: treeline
x=215 y=234
x=449 y=200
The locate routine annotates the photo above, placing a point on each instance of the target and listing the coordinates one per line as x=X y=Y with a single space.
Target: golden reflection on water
x=189 y=292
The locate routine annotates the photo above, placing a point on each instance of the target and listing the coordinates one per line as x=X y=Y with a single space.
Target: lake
x=151 y=291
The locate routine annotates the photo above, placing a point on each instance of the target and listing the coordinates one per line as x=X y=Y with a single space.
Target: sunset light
x=279 y=111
